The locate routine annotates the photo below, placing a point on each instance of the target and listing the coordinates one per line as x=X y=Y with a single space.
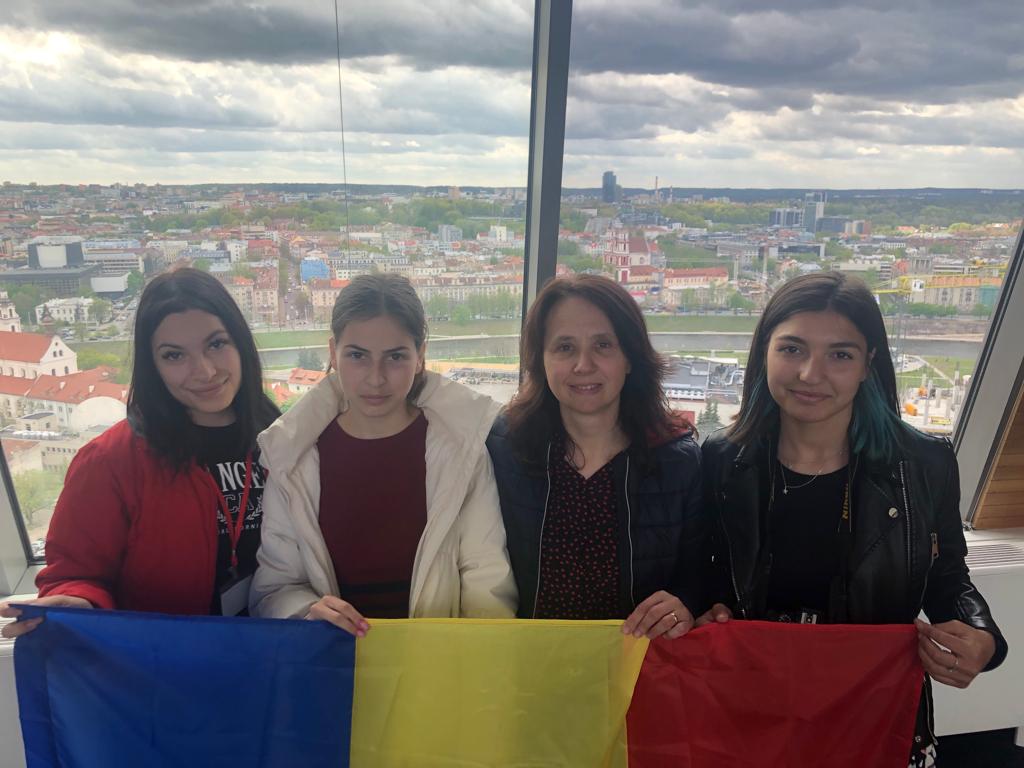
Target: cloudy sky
x=743 y=93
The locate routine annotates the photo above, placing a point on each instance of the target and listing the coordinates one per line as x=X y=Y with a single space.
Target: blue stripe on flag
x=98 y=689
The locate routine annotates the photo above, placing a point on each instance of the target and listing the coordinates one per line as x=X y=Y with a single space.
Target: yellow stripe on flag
x=474 y=693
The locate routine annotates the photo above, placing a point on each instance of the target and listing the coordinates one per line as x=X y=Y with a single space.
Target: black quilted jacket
x=662 y=539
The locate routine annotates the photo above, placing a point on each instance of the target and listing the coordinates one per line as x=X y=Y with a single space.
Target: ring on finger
x=675 y=619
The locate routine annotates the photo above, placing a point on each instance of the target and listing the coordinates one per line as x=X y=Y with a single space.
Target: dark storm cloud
x=922 y=49
x=486 y=33
x=803 y=70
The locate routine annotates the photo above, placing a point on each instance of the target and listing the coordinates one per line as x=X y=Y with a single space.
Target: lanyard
x=235 y=527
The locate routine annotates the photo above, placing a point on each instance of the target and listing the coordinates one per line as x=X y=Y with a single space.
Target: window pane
x=141 y=137
x=713 y=152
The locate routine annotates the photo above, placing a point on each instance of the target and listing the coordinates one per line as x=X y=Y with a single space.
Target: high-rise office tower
x=814 y=209
x=608 y=184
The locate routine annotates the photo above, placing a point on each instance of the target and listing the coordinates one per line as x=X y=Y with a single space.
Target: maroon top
x=579 y=564
x=373 y=508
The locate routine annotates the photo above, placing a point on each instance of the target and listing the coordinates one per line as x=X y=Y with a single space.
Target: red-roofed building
x=242 y=290
x=28 y=355
x=12 y=390
x=22 y=455
x=262 y=248
x=622 y=249
x=265 y=295
x=322 y=293
x=280 y=394
x=641 y=277
x=302 y=380
x=79 y=401
x=696 y=278
x=685 y=287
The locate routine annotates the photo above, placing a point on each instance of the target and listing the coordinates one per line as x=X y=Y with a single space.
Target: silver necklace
x=786 y=487
x=785 y=484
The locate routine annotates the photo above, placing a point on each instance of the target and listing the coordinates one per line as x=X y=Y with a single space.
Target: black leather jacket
x=907 y=550
x=662 y=529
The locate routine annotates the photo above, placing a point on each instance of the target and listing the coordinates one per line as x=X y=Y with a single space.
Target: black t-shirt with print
x=220 y=456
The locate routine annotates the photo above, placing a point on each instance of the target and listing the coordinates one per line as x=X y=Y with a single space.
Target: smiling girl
x=830 y=509
x=162 y=511
x=381 y=501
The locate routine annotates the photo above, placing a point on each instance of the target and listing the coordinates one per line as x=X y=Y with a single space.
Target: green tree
x=135 y=282
x=580 y=262
x=89 y=358
x=37 y=490
x=567 y=248
x=922 y=309
x=202 y=264
x=438 y=307
x=461 y=314
x=282 y=276
x=678 y=254
x=302 y=303
x=738 y=301
x=478 y=304
x=309 y=360
x=26 y=298
x=573 y=220
x=688 y=298
x=836 y=251
x=505 y=304
x=99 y=310
x=709 y=420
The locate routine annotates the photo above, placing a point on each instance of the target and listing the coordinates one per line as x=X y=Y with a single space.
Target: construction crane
x=898 y=335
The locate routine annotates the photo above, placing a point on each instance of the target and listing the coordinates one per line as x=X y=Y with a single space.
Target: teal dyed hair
x=762 y=413
x=876 y=429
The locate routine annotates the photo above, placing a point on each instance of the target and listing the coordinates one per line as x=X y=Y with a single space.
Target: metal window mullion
x=15 y=552
x=551 y=37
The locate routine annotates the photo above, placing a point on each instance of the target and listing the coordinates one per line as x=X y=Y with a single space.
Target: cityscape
x=700 y=263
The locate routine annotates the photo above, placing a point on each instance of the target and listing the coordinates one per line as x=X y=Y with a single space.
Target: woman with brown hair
x=827 y=507
x=599 y=481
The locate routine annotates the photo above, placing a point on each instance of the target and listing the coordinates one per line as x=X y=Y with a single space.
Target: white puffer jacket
x=461 y=566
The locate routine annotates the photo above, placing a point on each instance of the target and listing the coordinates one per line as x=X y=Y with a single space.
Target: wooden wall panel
x=1002 y=502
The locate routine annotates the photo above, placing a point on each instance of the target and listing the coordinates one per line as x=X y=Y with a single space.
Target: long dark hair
x=387 y=295
x=533 y=415
x=876 y=429
x=152 y=410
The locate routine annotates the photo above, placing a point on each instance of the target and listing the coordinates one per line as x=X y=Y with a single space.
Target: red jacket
x=129 y=533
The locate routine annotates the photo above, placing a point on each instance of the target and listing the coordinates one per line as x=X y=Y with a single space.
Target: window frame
x=16 y=559
x=998 y=377
x=987 y=408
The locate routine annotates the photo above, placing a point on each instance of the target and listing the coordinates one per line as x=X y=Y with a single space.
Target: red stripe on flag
x=766 y=695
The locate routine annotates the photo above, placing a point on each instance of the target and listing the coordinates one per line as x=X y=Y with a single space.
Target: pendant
x=785 y=491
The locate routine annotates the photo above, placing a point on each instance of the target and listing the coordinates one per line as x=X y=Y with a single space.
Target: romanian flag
x=101 y=688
